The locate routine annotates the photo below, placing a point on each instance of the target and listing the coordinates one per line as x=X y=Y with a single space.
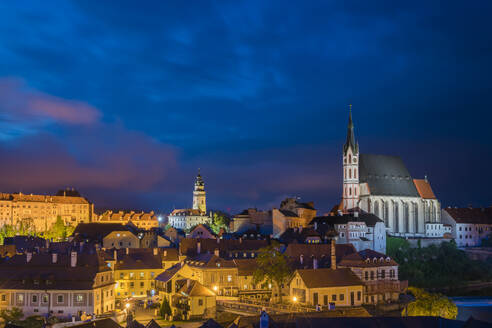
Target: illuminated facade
x=382 y=185
x=40 y=212
x=190 y=217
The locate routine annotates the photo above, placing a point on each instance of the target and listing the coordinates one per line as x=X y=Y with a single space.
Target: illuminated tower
x=199 y=199
x=350 y=168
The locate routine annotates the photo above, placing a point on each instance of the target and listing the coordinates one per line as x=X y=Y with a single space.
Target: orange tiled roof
x=424 y=188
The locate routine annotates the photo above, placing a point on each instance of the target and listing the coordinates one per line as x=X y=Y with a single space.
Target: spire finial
x=350 y=107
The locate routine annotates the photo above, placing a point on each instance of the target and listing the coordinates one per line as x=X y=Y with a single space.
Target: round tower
x=199 y=198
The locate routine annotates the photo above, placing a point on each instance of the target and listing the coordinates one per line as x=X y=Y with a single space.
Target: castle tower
x=350 y=168
x=199 y=199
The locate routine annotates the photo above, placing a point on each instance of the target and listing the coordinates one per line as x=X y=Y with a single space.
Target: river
x=478 y=307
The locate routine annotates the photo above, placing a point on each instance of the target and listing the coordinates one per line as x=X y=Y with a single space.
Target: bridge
x=249 y=308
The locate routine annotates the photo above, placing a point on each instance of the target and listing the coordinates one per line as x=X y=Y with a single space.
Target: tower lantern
x=199 y=198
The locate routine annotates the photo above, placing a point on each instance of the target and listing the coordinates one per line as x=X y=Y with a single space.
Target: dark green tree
x=429 y=304
x=13 y=316
x=165 y=310
x=219 y=221
x=272 y=267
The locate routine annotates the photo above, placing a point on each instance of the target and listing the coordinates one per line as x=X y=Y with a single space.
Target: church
x=382 y=185
x=187 y=218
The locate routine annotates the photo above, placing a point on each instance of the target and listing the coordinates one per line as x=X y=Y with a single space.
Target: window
x=359 y=296
x=79 y=298
x=142 y=274
x=152 y=275
x=132 y=284
x=4 y=297
x=122 y=275
x=372 y=275
x=141 y=284
x=131 y=275
x=229 y=278
x=34 y=298
x=200 y=302
x=383 y=274
x=342 y=296
x=20 y=298
x=59 y=299
x=333 y=297
x=45 y=298
x=325 y=300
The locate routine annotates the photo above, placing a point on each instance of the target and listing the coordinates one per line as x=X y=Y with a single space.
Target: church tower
x=199 y=199
x=350 y=168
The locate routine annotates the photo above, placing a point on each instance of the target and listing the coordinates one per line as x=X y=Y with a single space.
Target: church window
x=396 y=217
x=355 y=191
x=350 y=191
x=376 y=208
x=355 y=173
x=350 y=173
x=350 y=158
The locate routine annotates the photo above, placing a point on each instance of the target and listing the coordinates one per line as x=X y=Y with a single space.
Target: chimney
x=218 y=240
x=301 y=259
x=127 y=251
x=165 y=253
x=198 y=247
x=47 y=243
x=264 y=320
x=333 y=255
x=54 y=257
x=115 y=255
x=28 y=257
x=240 y=240
x=315 y=225
x=155 y=251
x=188 y=284
x=73 y=259
x=315 y=263
x=216 y=252
x=356 y=214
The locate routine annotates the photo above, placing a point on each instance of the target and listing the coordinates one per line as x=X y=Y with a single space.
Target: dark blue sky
x=125 y=100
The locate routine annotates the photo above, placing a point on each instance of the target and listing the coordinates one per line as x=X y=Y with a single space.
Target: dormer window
x=36 y=281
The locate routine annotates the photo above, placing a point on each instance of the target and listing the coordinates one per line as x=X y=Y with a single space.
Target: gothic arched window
x=415 y=220
x=355 y=173
x=350 y=158
x=350 y=191
x=406 y=217
x=350 y=173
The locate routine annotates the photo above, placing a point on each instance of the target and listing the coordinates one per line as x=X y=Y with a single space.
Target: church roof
x=424 y=188
x=386 y=176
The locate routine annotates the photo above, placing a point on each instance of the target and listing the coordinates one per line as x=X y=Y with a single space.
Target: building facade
x=292 y=214
x=40 y=212
x=142 y=220
x=61 y=285
x=190 y=217
x=382 y=185
x=469 y=225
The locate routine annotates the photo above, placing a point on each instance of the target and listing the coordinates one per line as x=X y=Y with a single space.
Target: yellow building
x=187 y=297
x=41 y=211
x=135 y=270
x=121 y=239
x=213 y=272
x=142 y=220
x=324 y=286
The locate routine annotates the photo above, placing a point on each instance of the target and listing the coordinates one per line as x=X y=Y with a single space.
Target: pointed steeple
x=199 y=179
x=350 y=135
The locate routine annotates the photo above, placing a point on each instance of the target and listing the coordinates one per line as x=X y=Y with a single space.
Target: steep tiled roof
x=138 y=258
x=209 y=261
x=386 y=175
x=169 y=273
x=368 y=218
x=320 y=278
x=194 y=288
x=41 y=273
x=288 y=213
x=471 y=215
x=245 y=267
x=424 y=188
x=359 y=259
x=188 y=246
x=97 y=231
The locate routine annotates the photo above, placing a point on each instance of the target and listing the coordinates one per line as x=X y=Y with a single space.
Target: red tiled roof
x=321 y=278
x=471 y=215
x=424 y=189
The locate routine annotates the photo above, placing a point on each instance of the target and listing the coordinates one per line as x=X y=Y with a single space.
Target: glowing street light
x=294 y=299
x=215 y=288
x=127 y=305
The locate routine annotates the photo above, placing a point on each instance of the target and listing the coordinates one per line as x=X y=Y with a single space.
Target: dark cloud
x=253 y=92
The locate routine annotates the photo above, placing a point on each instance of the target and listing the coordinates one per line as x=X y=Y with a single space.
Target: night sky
x=125 y=100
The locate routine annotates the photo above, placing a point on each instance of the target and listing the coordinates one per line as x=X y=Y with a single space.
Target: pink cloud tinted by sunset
x=20 y=103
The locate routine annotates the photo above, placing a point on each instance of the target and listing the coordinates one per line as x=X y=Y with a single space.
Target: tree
x=429 y=304
x=13 y=315
x=59 y=231
x=165 y=309
x=219 y=221
x=272 y=267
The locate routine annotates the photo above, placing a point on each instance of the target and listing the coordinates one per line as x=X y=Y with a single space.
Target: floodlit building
x=382 y=185
x=39 y=212
x=190 y=217
x=292 y=214
x=142 y=220
x=469 y=225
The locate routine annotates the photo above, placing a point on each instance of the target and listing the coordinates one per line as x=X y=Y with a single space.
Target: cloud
x=24 y=106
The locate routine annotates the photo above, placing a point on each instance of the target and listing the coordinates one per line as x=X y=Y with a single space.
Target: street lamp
x=215 y=288
x=294 y=299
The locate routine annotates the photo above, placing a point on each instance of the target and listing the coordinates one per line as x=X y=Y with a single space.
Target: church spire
x=350 y=134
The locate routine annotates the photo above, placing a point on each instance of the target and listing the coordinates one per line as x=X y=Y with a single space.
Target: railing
x=256 y=307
